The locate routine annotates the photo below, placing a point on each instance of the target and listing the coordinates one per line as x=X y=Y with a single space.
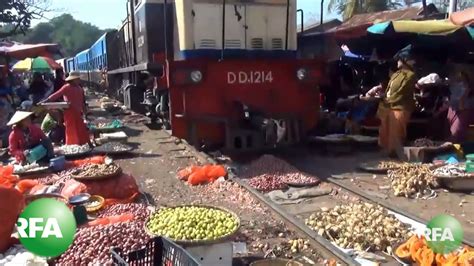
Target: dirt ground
x=155 y=163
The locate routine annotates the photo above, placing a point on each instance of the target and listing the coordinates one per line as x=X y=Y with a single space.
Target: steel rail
x=323 y=246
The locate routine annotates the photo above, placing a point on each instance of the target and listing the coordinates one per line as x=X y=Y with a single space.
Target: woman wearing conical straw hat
x=26 y=136
x=72 y=92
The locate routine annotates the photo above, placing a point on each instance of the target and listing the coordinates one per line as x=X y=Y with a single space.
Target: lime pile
x=192 y=223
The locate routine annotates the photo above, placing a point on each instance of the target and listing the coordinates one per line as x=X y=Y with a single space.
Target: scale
x=78 y=209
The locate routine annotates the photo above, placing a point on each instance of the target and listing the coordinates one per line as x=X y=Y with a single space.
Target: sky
x=110 y=13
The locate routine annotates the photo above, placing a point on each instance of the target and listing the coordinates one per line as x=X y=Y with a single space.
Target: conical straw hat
x=18 y=116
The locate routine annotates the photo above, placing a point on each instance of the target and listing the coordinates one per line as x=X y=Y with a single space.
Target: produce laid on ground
x=270 y=173
x=416 y=250
x=17 y=255
x=192 y=223
x=92 y=244
x=198 y=175
x=93 y=170
x=24 y=169
x=75 y=149
x=412 y=180
x=451 y=170
x=114 y=147
x=424 y=142
x=390 y=164
x=234 y=194
x=106 y=125
x=359 y=226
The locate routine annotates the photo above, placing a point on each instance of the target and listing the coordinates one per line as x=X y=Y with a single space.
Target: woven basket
x=199 y=242
x=99 y=177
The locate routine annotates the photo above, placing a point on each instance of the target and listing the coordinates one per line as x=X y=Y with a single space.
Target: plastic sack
x=7 y=179
x=184 y=174
x=199 y=177
x=126 y=217
x=90 y=160
x=11 y=204
x=206 y=174
x=119 y=188
x=72 y=188
x=216 y=171
x=26 y=185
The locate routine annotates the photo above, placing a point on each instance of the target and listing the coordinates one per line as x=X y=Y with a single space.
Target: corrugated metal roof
x=358 y=24
x=370 y=18
x=327 y=25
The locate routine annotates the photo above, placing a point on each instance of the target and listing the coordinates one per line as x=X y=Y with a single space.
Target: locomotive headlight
x=301 y=74
x=196 y=76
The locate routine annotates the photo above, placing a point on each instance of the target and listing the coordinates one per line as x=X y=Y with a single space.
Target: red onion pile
x=139 y=210
x=267 y=183
x=92 y=244
x=270 y=173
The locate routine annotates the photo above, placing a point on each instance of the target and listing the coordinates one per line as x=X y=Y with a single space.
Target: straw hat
x=18 y=117
x=73 y=76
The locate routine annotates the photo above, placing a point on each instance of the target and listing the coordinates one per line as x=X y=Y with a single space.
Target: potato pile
x=360 y=226
x=412 y=180
x=192 y=223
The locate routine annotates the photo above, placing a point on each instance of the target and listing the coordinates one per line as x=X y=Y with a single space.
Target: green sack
x=36 y=154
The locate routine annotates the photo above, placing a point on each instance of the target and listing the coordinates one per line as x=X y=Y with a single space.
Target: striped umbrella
x=38 y=64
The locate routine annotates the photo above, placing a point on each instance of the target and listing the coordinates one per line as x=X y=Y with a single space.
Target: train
x=224 y=73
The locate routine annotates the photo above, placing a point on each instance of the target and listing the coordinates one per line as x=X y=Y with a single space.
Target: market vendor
x=395 y=110
x=460 y=105
x=26 y=136
x=72 y=92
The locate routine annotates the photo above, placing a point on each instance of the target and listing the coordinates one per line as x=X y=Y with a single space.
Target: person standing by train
x=59 y=79
x=395 y=110
x=72 y=92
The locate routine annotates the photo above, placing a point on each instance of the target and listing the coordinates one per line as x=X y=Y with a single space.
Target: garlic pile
x=75 y=149
x=412 y=180
x=359 y=226
x=17 y=255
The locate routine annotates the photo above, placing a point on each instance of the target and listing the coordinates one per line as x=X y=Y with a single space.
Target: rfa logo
x=46 y=227
x=51 y=228
x=438 y=234
x=444 y=234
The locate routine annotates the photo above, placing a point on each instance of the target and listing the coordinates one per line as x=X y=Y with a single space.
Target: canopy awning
x=22 y=51
x=427 y=27
x=463 y=18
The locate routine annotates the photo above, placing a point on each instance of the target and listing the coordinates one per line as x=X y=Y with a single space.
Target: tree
x=73 y=36
x=16 y=15
x=349 y=8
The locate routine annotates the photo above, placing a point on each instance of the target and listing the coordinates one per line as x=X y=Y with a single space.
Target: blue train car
x=82 y=65
x=99 y=57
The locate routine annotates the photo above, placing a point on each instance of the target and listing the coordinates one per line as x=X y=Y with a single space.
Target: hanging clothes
x=76 y=130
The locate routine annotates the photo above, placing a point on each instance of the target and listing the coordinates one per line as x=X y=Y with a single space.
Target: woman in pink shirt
x=72 y=92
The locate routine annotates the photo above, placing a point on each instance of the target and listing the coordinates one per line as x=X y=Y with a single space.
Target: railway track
x=327 y=249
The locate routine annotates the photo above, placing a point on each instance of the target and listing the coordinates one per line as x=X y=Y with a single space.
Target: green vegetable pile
x=192 y=223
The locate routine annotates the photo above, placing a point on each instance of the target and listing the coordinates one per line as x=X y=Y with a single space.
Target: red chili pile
x=92 y=244
x=271 y=173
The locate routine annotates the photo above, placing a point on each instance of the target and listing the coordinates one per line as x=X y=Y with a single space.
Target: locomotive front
x=235 y=80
